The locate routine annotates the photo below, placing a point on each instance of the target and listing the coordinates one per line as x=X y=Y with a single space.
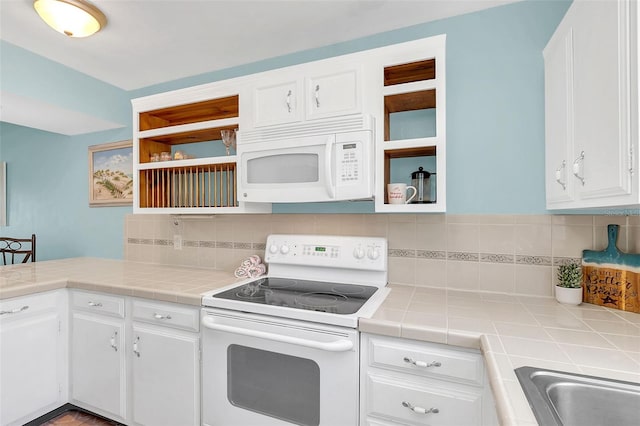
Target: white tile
x=561 y=320
x=499 y=239
x=431 y=236
x=496 y=277
x=431 y=273
x=614 y=327
x=533 y=280
x=462 y=237
x=471 y=324
x=600 y=358
x=575 y=337
x=519 y=361
x=626 y=343
x=521 y=330
x=538 y=349
x=462 y=275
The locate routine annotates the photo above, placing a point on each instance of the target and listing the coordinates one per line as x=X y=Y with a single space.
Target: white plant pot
x=569 y=296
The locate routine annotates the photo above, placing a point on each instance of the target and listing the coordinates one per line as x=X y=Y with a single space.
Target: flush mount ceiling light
x=74 y=18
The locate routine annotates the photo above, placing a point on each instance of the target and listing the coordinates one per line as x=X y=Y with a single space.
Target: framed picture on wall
x=111 y=174
x=3 y=193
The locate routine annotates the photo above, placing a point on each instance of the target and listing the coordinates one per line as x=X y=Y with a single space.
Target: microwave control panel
x=353 y=164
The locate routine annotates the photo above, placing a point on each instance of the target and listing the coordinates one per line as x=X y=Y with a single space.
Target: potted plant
x=569 y=286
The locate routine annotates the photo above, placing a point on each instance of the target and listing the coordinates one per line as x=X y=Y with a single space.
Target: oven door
x=259 y=370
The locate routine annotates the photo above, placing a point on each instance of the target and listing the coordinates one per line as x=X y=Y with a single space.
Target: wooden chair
x=13 y=249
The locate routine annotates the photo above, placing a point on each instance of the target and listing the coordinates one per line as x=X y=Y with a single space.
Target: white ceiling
x=147 y=42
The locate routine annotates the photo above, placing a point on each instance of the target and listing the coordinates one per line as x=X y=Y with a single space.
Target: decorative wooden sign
x=611 y=278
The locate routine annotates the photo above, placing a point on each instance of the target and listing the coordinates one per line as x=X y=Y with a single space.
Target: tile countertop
x=150 y=281
x=511 y=331
x=514 y=331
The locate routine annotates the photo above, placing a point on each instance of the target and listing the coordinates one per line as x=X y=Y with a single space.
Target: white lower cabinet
x=406 y=382
x=165 y=365
x=33 y=355
x=97 y=362
x=135 y=361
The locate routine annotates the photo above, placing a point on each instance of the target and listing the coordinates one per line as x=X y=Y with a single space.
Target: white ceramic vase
x=569 y=296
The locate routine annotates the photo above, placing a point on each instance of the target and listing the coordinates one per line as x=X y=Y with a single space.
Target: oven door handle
x=335 y=346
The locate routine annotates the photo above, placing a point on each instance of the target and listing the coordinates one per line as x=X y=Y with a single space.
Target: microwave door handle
x=327 y=166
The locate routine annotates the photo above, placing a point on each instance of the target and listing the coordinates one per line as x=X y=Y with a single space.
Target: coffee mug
x=397 y=193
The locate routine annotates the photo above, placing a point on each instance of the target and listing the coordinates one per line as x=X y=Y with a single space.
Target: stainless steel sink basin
x=559 y=398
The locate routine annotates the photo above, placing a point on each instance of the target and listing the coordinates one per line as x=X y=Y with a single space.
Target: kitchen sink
x=560 y=398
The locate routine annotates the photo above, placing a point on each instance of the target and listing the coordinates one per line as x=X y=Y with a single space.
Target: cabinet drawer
x=98 y=303
x=426 y=360
x=392 y=399
x=26 y=305
x=167 y=315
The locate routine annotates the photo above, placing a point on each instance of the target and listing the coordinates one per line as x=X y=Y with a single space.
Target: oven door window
x=277 y=385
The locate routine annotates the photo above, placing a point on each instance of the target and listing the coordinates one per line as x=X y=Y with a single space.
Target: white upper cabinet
x=591 y=107
x=333 y=93
x=277 y=103
x=305 y=93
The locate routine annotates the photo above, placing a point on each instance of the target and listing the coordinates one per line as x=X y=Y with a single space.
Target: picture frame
x=111 y=174
x=3 y=193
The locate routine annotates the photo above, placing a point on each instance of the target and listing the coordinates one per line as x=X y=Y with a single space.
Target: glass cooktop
x=342 y=299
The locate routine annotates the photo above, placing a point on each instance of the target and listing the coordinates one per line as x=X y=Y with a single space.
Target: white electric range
x=283 y=349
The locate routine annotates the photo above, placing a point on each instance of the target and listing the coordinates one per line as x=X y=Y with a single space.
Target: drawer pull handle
x=15 y=311
x=422 y=363
x=160 y=316
x=113 y=341
x=576 y=167
x=419 y=410
x=95 y=304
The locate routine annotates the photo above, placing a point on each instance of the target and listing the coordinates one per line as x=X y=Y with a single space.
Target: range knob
x=273 y=249
x=284 y=249
x=373 y=253
x=358 y=253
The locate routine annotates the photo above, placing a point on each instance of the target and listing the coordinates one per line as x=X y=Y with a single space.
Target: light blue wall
x=48 y=187
x=495 y=127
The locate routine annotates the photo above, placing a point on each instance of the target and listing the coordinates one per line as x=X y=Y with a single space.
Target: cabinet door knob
x=419 y=410
x=422 y=363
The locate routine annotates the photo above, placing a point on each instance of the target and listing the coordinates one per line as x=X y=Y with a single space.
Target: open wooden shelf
x=211 y=185
x=407 y=73
x=213 y=109
x=389 y=154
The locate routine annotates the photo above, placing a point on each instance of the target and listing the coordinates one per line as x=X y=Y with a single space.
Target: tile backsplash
x=515 y=254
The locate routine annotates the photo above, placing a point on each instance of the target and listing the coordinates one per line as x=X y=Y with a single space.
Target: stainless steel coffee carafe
x=425 y=184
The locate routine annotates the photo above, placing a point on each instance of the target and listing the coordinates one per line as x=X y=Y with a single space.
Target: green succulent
x=570 y=275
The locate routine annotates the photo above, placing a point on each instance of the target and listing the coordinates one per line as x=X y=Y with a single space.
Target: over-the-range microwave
x=322 y=160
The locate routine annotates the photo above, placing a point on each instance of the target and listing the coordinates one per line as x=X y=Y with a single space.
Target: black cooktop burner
x=320 y=296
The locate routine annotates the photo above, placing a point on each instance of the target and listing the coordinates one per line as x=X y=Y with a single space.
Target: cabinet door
x=276 y=103
x=98 y=364
x=332 y=94
x=601 y=99
x=31 y=380
x=165 y=369
x=558 y=56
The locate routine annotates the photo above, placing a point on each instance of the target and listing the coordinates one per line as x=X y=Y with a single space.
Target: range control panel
x=367 y=253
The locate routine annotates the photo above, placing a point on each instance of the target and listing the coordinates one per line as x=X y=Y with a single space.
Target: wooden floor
x=77 y=418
